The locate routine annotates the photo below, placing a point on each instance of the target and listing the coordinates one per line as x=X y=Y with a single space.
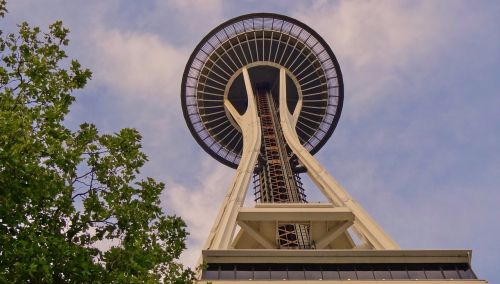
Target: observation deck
x=263 y=43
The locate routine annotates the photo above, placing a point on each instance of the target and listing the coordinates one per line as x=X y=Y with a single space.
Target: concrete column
x=222 y=232
x=363 y=223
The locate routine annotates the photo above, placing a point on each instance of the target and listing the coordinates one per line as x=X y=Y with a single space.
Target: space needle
x=262 y=93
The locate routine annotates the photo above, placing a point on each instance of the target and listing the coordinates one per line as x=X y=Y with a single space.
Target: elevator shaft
x=275 y=180
x=277 y=173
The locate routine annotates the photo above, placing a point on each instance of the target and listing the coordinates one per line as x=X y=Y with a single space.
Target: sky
x=418 y=142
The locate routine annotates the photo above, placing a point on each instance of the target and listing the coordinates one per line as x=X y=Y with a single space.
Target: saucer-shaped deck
x=263 y=43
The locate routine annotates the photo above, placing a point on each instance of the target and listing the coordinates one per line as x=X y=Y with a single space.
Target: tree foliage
x=72 y=208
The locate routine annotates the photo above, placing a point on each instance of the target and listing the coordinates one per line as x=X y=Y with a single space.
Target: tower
x=262 y=93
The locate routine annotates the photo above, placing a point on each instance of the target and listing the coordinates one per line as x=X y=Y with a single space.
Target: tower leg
x=222 y=232
x=363 y=223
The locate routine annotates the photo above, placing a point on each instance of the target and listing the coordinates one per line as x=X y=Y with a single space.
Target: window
x=364 y=274
x=261 y=275
x=416 y=274
x=296 y=275
x=451 y=274
x=279 y=275
x=210 y=274
x=382 y=274
x=313 y=275
x=331 y=275
x=295 y=271
x=399 y=274
x=244 y=274
x=224 y=274
x=347 y=275
x=434 y=274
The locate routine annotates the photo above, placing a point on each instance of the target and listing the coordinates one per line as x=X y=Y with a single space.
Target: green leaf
x=65 y=194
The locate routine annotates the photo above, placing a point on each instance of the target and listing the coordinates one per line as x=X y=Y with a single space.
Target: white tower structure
x=262 y=93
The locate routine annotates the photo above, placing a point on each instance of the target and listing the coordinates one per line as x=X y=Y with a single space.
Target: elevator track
x=275 y=181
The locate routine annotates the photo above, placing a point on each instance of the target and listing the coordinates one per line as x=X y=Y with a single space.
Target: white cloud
x=138 y=65
x=206 y=7
x=145 y=69
x=198 y=205
x=383 y=46
x=190 y=19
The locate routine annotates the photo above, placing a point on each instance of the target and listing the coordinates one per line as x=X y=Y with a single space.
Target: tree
x=65 y=193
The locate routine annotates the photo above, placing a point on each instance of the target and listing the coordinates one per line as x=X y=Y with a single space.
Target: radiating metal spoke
x=263 y=46
x=238 y=141
x=242 y=51
x=260 y=39
x=289 y=55
x=232 y=47
x=256 y=47
x=315 y=94
x=300 y=64
x=208 y=100
x=310 y=81
x=249 y=48
x=300 y=122
x=211 y=94
x=310 y=88
x=297 y=57
x=224 y=129
x=311 y=113
x=213 y=80
x=278 y=46
x=222 y=69
x=210 y=86
x=283 y=54
x=313 y=121
x=223 y=61
x=210 y=107
x=270 y=45
x=313 y=107
x=212 y=113
x=305 y=133
x=217 y=119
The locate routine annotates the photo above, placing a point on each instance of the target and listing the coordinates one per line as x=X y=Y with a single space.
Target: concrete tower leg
x=222 y=232
x=366 y=227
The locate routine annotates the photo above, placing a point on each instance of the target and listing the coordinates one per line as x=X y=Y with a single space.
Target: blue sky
x=418 y=143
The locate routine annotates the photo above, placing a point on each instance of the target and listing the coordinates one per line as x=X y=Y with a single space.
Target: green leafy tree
x=65 y=195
